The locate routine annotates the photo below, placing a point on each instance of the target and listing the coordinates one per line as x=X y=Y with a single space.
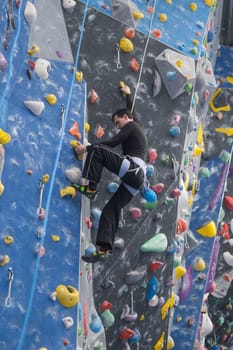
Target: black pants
x=98 y=157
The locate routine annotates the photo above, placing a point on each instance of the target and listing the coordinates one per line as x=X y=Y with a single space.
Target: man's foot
x=97 y=256
x=85 y=190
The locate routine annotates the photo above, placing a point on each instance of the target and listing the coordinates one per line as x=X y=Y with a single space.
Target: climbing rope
x=37 y=265
x=144 y=55
x=10 y=69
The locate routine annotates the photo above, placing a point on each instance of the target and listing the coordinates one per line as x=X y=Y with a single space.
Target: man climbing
x=129 y=166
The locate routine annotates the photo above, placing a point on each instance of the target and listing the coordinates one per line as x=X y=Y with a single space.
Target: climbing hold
x=126 y=45
x=157 y=33
x=86 y=127
x=157 y=83
x=199 y=264
x=68 y=322
x=30 y=13
x=224 y=230
x=8 y=240
x=209 y=230
x=3 y=62
x=180 y=271
x=39 y=249
x=181 y=226
x=42 y=68
x=159 y=345
x=158 y=188
x=36 y=107
x=163 y=17
x=149 y=170
x=136 y=338
x=228 y=257
x=198 y=150
x=56 y=238
x=106 y=305
x=4 y=259
x=95 y=215
x=5 y=137
x=93 y=96
x=99 y=132
x=171 y=75
x=152 y=155
x=79 y=77
x=73 y=174
x=34 y=49
x=209 y=2
x=74 y=131
x=51 y=99
x=107 y=318
x=95 y=324
x=188 y=87
x=174 y=131
x=193 y=6
x=154 y=301
x=207 y=325
x=148 y=194
x=126 y=333
x=68 y=4
x=112 y=187
x=204 y=172
x=68 y=191
x=176 y=192
x=119 y=243
x=134 y=65
x=225 y=156
x=129 y=33
x=138 y=15
x=98 y=345
x=228 y=202
x=156 y=244
x=153 y=287
x=135 y=276
x=155 y=265
x=170 y=343
x=135 y=213
x=67 y=296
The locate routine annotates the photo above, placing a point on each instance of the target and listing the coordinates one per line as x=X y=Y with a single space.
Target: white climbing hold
x=68 y=322
x=207 y=325
x=53 y=296
x=153 y=301
x=73 y=174
x=36 y=107
x=30 y=13
x=228 y=257
x=67 y=4
x=42 y=68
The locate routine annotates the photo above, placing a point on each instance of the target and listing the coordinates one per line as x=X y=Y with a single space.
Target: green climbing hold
x=107 y=318
x=157 y=244
x=225 y=156
x=204 y=172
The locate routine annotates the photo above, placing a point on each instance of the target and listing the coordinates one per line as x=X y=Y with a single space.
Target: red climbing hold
x=224 y=230
x=134 y=65
x=182 y=226
x=228 y=202
x=155 y=265
x=126 y=333
x=106 y=305
x=130 y=33
x=152 y=155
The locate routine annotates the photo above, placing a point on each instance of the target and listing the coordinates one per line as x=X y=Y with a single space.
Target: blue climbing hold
x=148 y=194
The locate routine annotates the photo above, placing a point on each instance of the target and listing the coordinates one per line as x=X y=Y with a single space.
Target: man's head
x=121 y=117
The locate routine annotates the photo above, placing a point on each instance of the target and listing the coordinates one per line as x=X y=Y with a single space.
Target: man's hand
x=125 y=90
x=80 y=149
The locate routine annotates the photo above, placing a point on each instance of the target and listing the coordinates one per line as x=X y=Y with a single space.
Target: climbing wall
x=40 y=102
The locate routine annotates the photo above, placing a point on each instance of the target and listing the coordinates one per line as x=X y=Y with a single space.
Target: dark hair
x=121 y=112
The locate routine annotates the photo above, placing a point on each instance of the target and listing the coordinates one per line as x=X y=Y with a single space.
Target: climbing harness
x=10 y=23
x=8 y=300
x=119 y=65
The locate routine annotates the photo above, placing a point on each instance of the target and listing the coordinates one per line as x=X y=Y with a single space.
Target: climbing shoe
x=85 y=190
x=97 y=256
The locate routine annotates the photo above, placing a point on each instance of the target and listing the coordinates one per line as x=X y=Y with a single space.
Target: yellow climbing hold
x=198 y=150
x=43 y=348
x=142 y=317
x=226 y=131
x=193 y=6
x=179 y=63
x=35 y=49
x=4 y=137
x=67 y=296
x=4 y=259
x=225 y=108
x=163 y=17
x=126 y=45
x=229 y=79
x=170 y=343
x=79 y=77
x=199 y=264
x=209 y=230
x=195 y=42
x=180 y=271
x=8 y=240
x=138 y=15
x=169 y=304
x=168 y=1
x=2 y=187
x=209 y=2
x=68 y=191
x=160 y=343
x=74 y=143
x=86 y=127
x=51 y=99
x=200 y=139
x=56 y=238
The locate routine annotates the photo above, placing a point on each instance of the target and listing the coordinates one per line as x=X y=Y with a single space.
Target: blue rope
x=52 y=180
x=10 y=71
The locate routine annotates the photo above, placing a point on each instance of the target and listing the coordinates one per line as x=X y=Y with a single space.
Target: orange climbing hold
x=134 y=65
x=94 y=96
x=130 y=33
x=157 y=33
x=99 y=132
x=74 y=131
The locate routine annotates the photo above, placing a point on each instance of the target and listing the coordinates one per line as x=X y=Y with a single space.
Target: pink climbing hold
x=158 y=188
x=153 y=155
x=176 y=192
x=88 y=222
x=135 y=213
